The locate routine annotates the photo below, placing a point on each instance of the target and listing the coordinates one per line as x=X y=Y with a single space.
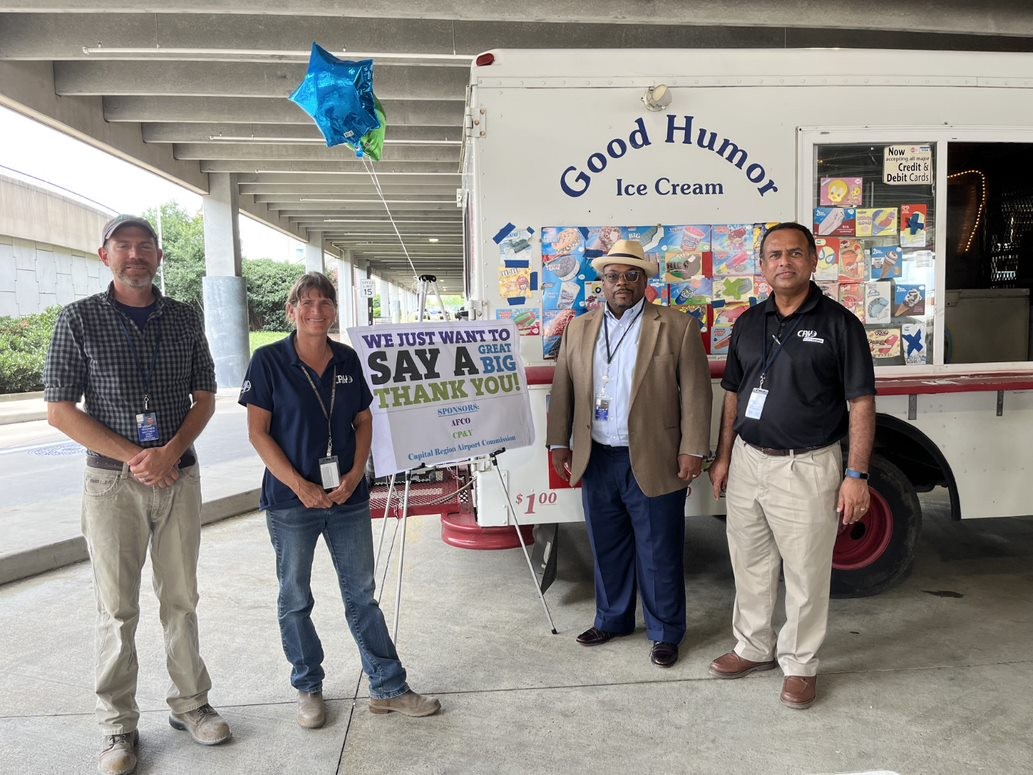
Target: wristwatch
x=856 y=474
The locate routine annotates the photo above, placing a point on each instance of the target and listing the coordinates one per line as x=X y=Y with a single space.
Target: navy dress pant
x=638 y=544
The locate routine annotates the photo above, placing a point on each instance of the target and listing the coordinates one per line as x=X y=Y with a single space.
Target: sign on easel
x=443 y=391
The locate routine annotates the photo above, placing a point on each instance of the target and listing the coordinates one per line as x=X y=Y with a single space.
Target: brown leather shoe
x=799 y=691
x=594 y=637
x=731 y=665
x=663 y=654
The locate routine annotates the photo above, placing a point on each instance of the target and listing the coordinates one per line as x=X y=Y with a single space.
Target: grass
x=259 y=338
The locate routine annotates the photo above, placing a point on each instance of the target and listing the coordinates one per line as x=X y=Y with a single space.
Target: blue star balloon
x=339 y=96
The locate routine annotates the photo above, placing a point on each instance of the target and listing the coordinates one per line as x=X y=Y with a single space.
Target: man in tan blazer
x=629 y=417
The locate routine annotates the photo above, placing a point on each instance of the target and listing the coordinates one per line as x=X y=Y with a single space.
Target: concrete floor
x=934 y=676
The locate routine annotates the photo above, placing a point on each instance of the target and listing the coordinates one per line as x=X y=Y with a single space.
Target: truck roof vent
x=484 y=59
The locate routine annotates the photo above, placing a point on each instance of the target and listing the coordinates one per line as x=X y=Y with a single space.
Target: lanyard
x=606 y=332
x=326 y=412
x=770 y=359
x=148 y=373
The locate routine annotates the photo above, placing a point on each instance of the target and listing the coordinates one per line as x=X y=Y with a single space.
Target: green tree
x=268 y=283
x=182 y=236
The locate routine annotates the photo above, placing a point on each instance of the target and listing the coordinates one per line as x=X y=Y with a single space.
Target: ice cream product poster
x=565 y=268
x=515 y=244
x=841 y=192
x=528 y=320
x=886 y=262
x=835 y=221
x=913 y=219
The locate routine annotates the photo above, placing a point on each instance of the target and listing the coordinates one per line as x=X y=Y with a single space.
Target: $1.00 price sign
x=533 y=500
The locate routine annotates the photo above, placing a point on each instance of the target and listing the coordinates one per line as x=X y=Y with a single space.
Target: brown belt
x=110 y=464
x=785 y=452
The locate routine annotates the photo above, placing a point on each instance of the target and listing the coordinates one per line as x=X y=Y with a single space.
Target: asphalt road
x=38 y=462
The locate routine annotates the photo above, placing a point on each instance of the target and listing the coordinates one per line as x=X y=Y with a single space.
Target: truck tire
x=875 y=553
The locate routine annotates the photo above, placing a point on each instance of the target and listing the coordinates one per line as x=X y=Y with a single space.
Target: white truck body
x=561 y=138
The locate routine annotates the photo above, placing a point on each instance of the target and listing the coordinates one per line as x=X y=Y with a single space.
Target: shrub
x=268 y=283
x=23 y=349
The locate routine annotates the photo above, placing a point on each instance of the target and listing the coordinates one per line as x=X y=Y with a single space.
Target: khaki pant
x=120 y=517
x=782 y=514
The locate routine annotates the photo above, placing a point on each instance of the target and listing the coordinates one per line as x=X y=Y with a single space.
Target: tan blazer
x=670 y=396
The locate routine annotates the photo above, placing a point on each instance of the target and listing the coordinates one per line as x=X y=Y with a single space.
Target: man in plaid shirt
x=142 y=363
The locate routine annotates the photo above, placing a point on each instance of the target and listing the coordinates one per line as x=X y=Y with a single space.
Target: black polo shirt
x=276 y=382
x=825 y=361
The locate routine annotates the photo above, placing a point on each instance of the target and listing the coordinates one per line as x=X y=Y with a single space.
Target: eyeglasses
x=631 y=276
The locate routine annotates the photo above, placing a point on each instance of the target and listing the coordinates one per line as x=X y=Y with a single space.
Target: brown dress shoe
x=663 y=654
x=594 y=637
x=731 y=665
x=799 y=691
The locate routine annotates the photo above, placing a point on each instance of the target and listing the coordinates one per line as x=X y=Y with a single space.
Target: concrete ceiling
x=189 y=87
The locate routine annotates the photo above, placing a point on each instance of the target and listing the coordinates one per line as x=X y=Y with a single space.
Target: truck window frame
x=940 y=137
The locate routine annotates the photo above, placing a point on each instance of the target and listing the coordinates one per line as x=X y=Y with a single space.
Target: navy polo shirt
x=276 y=382
x=825 y=362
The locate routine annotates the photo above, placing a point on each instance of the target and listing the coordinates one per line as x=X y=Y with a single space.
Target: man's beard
x=136 y=281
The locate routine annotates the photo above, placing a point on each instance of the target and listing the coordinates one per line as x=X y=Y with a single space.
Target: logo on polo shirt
x=245 y=387
x=344 y=379
x=810 y=336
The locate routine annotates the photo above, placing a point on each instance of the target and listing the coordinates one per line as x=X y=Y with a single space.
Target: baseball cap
x=119 y=221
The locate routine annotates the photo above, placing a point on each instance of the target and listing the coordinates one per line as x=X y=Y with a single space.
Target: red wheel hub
x=862 y=543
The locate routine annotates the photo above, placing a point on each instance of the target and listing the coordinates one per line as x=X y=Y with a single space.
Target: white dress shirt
x=624 y=334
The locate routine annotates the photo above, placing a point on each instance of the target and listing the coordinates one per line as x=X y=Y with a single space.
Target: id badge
x=602 y=408
x=146 y=427
x=756 y=405
x=329 y=472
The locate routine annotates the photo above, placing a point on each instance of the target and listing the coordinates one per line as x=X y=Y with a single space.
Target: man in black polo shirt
x=794 y=364
x=142 y=363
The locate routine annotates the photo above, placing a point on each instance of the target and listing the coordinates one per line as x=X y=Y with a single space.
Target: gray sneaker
x=118 y=757
x=311 y=710
x=408 y=704
x=204 y=724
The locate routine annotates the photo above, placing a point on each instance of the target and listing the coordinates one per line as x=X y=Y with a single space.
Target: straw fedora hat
x=628 y=253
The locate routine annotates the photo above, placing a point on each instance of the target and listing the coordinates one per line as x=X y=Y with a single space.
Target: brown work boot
x=731 y=665
x=408 y=704
x=799 y=691
x=204 y=724
x=311 y=710
x=118 y=757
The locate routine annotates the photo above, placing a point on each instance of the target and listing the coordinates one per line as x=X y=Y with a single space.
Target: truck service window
x=876 y=229
x=989 y=239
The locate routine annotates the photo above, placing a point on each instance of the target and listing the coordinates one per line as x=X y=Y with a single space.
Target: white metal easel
x=428 y=283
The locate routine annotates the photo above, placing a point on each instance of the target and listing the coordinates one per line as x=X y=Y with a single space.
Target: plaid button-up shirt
x=90 y=356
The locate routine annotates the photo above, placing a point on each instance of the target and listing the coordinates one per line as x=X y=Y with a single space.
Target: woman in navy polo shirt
x=309 y=420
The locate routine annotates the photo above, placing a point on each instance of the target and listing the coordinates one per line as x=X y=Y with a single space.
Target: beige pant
x=120 y=517
x=782 y=513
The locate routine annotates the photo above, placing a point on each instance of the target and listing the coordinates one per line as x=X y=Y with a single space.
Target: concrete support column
x=346 y=291
x=396 y=304
x=225 y=295
x=221 y=227
x=412 y=305
x=314 y=252
x=384 y=290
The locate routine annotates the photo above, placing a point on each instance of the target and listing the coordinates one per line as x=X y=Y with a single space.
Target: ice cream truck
x=915 y=170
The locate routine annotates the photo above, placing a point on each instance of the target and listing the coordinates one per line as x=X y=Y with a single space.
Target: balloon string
x=380 y=192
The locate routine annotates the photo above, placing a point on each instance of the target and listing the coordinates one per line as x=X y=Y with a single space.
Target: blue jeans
x=349 y=537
